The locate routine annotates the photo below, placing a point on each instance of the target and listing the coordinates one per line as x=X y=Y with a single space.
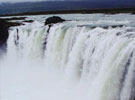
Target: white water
x=77 y=63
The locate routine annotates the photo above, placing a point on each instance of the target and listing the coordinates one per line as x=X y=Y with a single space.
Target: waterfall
x=101 y=62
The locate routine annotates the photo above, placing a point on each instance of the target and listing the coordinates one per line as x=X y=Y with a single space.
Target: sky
x=12 y=1
x=1 y=1
x=19 y=0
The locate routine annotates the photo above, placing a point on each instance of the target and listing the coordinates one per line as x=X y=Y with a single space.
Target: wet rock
x=15 y=18
x=118 y=33
x=45 y=40
x=3 y=32
x=53 y=20
x=104 y=27
x=50 y=21
x=28 y=21
x=49 y=26
x=4 y=27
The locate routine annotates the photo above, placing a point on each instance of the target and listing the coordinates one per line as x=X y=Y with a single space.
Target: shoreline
x=83 y=11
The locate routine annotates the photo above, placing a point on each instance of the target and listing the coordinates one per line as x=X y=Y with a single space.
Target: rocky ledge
x=53 y=20
x=4 y=27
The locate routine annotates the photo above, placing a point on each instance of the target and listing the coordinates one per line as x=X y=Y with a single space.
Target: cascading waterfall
x=101 y=61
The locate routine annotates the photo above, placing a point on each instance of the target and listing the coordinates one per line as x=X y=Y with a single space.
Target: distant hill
x=14 y=8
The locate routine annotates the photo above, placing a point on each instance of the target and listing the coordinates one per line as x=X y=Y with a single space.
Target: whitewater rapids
x=76 y=60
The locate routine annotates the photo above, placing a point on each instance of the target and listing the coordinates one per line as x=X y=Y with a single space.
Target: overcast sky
x=19 y=0
x=24 y=0
x=11 y=1
x=32 y=0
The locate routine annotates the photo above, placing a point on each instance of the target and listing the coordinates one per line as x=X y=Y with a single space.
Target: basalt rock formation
x=4 y=27
x=53 y=20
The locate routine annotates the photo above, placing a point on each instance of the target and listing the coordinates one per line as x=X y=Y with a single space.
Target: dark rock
x=49 y=21
x=118 y=33
x=4 y=27
x=28 y=21
x=15 y=18
x=45 y=40
x=49 y=26
x=3 y=31
x=114 y=26
x=53 y=20
x=104 y=27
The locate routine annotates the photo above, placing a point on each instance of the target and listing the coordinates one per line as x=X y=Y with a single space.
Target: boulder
x=53 y=20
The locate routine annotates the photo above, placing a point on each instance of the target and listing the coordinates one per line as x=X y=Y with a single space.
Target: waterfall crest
x=102 y=59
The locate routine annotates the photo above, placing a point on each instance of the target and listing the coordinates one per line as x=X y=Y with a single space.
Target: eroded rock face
x=4 y=27
x=53 y=20
x=3 y=31
x=50 y=21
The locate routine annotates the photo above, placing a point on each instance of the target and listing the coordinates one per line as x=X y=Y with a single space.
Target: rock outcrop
x=50 y=21
x=53 y=20
x=4 y=27
x=28 y=21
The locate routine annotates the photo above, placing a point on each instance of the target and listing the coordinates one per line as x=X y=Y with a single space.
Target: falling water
x=71 y=62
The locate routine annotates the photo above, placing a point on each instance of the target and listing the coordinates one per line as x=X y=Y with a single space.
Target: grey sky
x=30 y=0
x=19 y=0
